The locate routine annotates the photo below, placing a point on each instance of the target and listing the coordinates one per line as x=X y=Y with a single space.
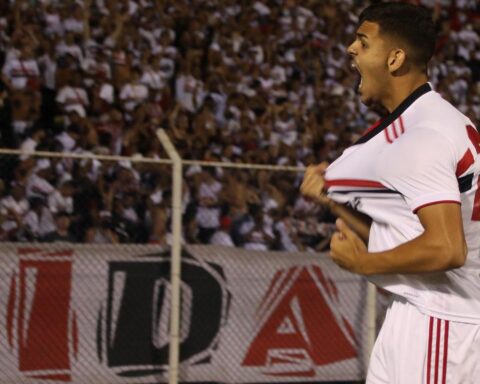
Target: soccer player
x=408 y=200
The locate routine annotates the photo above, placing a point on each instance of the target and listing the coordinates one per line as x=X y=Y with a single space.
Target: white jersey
x=20 y=71
x=425 y=152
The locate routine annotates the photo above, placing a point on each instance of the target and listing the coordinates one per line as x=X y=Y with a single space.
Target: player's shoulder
x=432 y=112
x=433 y=107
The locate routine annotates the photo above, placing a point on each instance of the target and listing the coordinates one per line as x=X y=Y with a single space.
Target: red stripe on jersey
x=445 y=352
x=394 y=128
x=474 y=137
x=353 y=183
x=429 y=357
x=436 y=202
x=372 y=127
x=387 y=136
x=437 y=351
x=402 y=127
x=465 y=163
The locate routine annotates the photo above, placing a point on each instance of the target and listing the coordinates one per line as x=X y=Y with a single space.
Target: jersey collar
x=420 y=91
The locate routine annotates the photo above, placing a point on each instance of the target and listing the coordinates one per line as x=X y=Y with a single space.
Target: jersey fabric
x=425 y=152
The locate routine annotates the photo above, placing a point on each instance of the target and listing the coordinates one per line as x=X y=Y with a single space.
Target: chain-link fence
x=91 y=297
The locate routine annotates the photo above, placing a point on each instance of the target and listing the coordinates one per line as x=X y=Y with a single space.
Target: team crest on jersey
x=394 y=130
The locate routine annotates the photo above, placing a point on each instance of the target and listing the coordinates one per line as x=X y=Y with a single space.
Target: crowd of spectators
x=261 y=81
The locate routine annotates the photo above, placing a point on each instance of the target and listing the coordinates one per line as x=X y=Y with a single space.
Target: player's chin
x=365 y=99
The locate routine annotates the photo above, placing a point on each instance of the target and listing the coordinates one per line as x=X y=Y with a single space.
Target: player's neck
x=401 y=88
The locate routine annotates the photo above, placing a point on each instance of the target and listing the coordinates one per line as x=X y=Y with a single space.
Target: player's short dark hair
x=412 y=24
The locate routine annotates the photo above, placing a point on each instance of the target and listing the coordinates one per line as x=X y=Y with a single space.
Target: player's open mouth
x=360 y=77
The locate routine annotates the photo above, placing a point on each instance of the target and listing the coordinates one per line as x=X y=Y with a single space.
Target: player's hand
x=347 y=249
x=313 y=183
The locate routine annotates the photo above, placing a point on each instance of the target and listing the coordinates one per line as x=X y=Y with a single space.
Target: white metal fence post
x=175 y=278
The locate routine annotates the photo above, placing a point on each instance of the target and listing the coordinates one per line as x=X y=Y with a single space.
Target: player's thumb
x=343 y=228
x=321 y=168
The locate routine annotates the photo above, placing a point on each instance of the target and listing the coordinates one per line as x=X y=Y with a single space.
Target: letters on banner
x=82 y=314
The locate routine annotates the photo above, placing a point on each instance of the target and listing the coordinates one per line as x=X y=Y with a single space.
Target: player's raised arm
x=313 y=188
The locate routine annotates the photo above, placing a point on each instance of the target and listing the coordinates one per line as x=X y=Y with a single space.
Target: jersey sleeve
x=421 y=166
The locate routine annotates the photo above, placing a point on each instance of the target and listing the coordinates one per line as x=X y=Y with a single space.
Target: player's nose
x=351 y=49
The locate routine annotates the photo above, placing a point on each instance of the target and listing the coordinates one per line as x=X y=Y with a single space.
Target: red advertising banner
x=83 y=314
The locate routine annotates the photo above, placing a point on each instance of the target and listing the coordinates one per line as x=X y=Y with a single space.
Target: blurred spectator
x=257 y=233
x=62 y=229
x=222 y=235
x=101 y=230
x=134 y=92
x=73 y=97
x=21 y=71
x=160 y=233
x=13 y=208
x=33 y=220
x=285 y=232
x=32 y=141
x=61 y=198
x=38 y=180
x=208 y=210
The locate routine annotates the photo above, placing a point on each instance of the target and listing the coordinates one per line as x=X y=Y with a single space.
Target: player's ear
x=396 y=59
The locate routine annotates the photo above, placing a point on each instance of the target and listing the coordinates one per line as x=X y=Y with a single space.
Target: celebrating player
x=409 y=188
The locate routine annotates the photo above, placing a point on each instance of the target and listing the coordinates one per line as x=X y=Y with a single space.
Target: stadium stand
x=261 y=81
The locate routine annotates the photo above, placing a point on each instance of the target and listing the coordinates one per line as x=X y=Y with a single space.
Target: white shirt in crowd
x=49 y=70
x=107 y=93
x=257 y=240
x=18 y=72
x=153 y=79
x=39 y=225
x=67 y=142
x=31 y=222
x=93 y=67
x=73 y=99
x=9 y=205
x=38 y=186
x=208 y=217
x=222 y=237
x=133 y=94
x=189 y=92
x=53 y=23
x=70 y=49
x=28 y=145
x=209 y=190
x=58 y=203
x=73 y=25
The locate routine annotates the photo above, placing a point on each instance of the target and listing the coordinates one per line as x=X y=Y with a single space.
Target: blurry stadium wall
x=114 y=313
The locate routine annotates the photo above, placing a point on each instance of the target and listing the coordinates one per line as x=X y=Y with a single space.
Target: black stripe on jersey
x=420 y=91
x=465 y=183
x=376 y=191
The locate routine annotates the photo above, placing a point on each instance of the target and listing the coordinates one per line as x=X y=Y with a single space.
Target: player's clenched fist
x=347 y=249
x=313 y=181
